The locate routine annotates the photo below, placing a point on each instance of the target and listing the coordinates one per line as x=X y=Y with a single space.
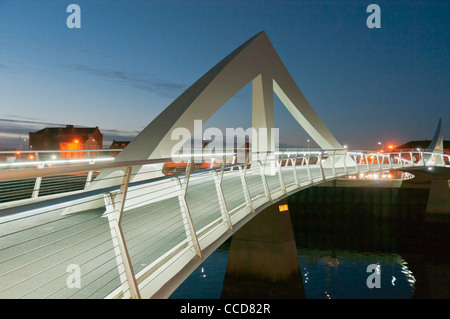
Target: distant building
x=423 y=145
x=118 y=145
x=67 y=138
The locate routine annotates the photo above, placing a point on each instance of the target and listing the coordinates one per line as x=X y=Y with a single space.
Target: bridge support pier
x=263 y=259
x=438 y=199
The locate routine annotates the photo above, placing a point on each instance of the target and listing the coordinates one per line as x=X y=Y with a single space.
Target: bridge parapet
x=143 y=238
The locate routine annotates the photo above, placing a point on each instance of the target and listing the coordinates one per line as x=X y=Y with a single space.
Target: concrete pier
x=439 y=197
x=263 y=260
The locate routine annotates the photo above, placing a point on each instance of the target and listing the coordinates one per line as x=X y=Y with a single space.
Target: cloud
x=138 y=80
x=23 y=120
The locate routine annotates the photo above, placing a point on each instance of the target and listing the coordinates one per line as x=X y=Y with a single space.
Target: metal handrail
x=49 y=171
x=294 y=176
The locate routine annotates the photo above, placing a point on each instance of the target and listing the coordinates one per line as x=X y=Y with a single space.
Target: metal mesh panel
x=40 y=251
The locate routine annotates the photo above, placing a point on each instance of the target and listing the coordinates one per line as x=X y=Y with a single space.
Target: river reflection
x=326 y=274
x=339 y=234
x=344 y=274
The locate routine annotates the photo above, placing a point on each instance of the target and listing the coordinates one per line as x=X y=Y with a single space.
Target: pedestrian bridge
x=147 y=245
x=136 y=224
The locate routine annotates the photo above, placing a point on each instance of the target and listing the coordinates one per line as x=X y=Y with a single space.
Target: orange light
x=283 y=208
x=390 y=147
x=70 y=146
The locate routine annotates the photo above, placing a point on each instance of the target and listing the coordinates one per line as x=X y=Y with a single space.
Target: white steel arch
x=254 y=61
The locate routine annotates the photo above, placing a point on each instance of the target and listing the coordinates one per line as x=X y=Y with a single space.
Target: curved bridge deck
x=96 y=244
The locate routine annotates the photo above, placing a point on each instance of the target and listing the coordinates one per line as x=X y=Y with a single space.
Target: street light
x=381 y=145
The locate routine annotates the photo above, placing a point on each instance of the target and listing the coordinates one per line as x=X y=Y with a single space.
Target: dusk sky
x=131 y=59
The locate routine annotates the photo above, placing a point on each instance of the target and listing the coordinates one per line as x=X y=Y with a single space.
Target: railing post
x=319 y=159
x=37 y=183
x=308 y=168
x=242 y=172
x=279 y=162
x=378 y=160
x=345 y=164
x=191 y=234
x=294 y=170
x=264 y=180
x=222 y=203
x=114 y=209
x=37 y=187
x=89 y=176
x=422 y=158
x=333 y=166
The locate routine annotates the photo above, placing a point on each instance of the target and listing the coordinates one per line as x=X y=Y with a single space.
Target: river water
x=340 y=234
